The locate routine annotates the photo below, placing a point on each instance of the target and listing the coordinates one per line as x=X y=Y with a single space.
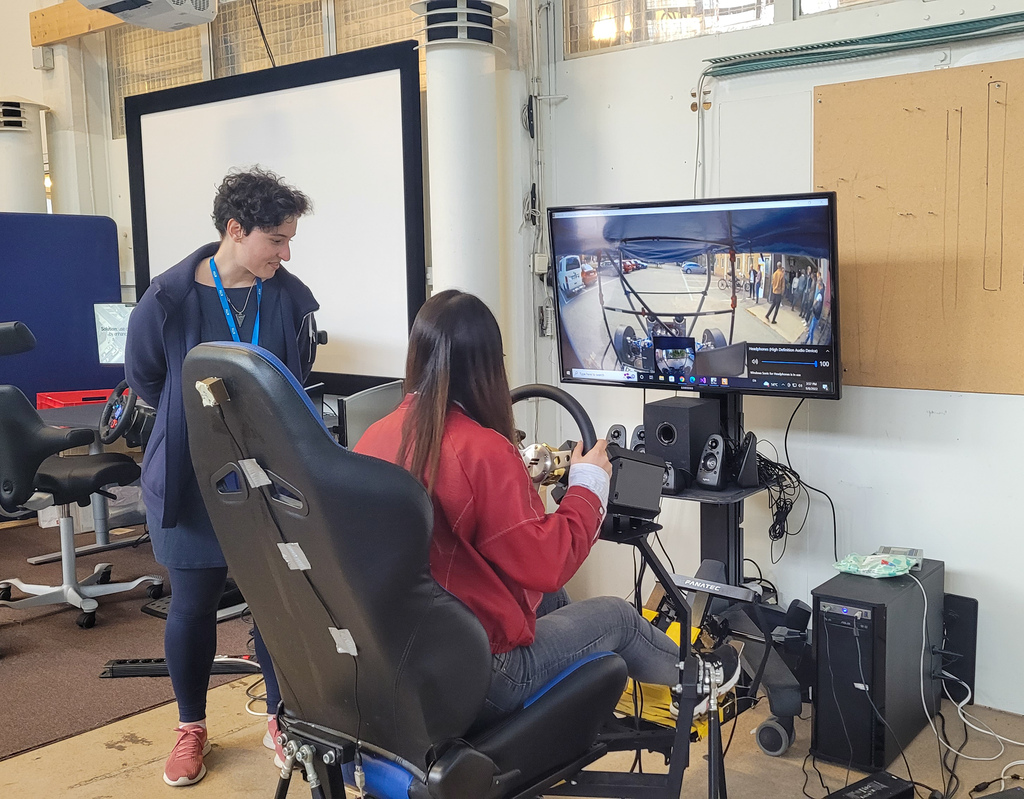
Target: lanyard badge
x=227 y=310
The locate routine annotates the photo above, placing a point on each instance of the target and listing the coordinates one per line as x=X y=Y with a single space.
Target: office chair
x=383 y=674
x=33 y=477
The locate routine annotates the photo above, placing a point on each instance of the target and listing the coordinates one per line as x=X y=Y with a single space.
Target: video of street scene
x=705 y=295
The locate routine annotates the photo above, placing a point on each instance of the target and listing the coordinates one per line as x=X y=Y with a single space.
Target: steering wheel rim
x=117 y=413
x=572 y=406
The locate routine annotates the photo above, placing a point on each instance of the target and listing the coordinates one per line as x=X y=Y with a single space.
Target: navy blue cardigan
x=161 y=330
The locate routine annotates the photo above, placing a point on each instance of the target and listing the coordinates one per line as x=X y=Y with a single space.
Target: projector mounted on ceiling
x=161 y=15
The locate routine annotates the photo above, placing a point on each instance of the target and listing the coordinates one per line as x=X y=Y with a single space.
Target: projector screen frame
x=400 y=56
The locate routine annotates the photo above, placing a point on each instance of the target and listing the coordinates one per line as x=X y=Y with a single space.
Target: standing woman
x=231 y=289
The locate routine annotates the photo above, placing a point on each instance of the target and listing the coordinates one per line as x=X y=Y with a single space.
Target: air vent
x=12 y=116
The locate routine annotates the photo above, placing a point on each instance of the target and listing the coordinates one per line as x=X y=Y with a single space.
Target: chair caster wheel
x=774 y=736
x=155 y=591
x=103 y=570
x=5 y=593
x=86 y=620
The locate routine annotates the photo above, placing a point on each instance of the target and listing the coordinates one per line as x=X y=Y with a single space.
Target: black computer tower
x=867 y=641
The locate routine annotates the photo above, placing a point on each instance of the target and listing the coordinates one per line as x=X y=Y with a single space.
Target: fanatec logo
x=701 y=586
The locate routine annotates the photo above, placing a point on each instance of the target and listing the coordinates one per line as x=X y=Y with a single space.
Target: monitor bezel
x=675 y=388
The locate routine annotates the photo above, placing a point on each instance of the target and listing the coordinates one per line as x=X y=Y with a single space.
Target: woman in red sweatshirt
x=494 y=546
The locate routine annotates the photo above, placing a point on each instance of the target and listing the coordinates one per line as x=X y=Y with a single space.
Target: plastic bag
x=876 y=565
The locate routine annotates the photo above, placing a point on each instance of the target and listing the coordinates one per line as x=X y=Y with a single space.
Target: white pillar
x=462 y=141
x=21 y=156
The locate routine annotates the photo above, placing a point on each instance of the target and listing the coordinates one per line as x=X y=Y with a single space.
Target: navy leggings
x=190 y=641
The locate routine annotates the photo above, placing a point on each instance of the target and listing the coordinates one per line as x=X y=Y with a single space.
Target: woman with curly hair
x=234 y=288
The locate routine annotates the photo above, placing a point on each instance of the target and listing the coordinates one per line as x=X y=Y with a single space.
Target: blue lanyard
x=227 y=310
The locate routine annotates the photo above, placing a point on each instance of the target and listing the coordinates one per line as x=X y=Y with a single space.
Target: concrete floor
x=125 y=759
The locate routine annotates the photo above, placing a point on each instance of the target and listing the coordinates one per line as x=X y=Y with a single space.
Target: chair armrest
x=58 y=439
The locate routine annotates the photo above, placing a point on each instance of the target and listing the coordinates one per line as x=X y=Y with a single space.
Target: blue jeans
x=570 y=633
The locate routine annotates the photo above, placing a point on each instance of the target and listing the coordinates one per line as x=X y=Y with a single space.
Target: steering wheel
x=546 y=465
x=117 y=413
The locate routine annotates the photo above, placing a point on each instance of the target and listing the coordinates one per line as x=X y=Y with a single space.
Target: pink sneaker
x=270 y=741
x=185 y=763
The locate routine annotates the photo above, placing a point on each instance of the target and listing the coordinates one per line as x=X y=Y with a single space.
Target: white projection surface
x=340 y=142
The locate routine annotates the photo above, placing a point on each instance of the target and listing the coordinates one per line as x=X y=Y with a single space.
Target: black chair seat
x=73 y=478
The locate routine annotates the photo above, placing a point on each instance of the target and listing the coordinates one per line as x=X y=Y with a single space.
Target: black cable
x=821 y=779
x=671 y=565
x=142 y=538
x=803 y=768
x=878 y=713
x=785 y=439
x=835 y=531
x=951 y=789
x=806 y=485
x=753 y=700
x=953 y=784
x=839 y=707
x=259 y=24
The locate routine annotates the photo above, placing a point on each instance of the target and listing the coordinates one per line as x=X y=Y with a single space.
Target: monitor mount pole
x=721 y=537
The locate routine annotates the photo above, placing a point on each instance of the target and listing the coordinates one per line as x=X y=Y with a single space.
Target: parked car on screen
x=589 y=274
x=691 y=268
x=569 y=276
x=629 y=266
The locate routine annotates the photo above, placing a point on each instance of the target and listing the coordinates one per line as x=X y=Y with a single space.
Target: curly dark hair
x=256 y=198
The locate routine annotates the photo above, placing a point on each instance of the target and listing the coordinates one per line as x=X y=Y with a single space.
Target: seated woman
x=494 y=546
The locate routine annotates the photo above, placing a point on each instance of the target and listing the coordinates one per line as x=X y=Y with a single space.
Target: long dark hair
x=455 y=355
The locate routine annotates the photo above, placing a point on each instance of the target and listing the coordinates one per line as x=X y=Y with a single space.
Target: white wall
x=912 y=468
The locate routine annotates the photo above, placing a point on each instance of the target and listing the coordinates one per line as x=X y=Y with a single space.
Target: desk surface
x=74 y=416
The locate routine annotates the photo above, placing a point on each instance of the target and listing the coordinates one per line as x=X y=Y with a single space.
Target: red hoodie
x=494 y=546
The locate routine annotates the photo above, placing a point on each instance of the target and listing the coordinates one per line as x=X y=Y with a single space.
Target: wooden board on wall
x=929 y=174
x=67 y=20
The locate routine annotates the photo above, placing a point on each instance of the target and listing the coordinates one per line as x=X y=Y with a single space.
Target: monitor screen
x=360 y=410
x=111 y=330
x=709 y=295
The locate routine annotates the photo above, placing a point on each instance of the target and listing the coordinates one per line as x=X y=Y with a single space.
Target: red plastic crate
x=64 y=399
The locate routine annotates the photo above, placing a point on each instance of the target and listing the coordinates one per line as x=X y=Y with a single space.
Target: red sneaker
x=185 y=764
x=270 y=741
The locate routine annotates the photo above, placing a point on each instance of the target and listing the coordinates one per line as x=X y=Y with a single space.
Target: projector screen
x=346 y=131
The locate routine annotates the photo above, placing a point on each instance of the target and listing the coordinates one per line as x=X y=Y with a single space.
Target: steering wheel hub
x=544 y=464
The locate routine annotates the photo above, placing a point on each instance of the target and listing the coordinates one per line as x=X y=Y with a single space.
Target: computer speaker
x=746 y=462
x=638 y=442
x=617 y=435
x=711 y=472
x=678 y=427
x=675 y=480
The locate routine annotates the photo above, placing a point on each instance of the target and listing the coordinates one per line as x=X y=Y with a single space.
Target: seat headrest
x=15 y=337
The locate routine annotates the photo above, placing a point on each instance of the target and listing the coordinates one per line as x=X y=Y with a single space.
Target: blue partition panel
x=55 y=267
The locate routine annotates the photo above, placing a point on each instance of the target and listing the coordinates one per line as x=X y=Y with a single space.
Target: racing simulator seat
x=383 y=674
x=33 y=477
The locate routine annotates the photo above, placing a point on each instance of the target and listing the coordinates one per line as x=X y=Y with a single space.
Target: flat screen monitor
x=714 y=295
x=358 y=411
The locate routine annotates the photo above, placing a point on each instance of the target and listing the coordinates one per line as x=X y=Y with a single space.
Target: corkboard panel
x=929 y=173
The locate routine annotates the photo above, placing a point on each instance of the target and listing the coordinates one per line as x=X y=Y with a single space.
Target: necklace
x=240 y=314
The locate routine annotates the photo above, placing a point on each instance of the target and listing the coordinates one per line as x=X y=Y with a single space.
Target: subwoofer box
x=678 y=428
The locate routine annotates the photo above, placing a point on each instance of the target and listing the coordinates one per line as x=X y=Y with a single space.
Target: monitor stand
x=721 y=537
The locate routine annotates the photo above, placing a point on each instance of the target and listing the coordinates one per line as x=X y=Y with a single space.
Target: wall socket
x=539 y=263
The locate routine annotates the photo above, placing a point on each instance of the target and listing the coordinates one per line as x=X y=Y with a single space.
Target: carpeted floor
x=49 y=667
